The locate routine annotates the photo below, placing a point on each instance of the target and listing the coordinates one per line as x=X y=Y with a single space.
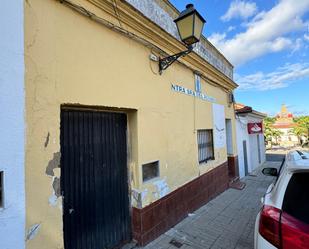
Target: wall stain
x=33 y=231
x=56 y=192
x=47 y=140
x=53 y=164
x=28 y=3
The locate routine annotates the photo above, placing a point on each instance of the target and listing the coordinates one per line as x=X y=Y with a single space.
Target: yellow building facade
x=96 y=62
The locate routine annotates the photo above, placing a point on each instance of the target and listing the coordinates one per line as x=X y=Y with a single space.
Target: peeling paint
x=139 y=197
x=161 y=17
x=56 y=186
x=33 y=231
x=144 y=194
x=53 y=170
x=135 y=194
x=156 y=195
x=47 y=140
x=53 y=164
x=162 y=187
x=53 y=199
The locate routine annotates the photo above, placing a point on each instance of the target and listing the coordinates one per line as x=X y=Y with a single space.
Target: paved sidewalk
x=226 y=222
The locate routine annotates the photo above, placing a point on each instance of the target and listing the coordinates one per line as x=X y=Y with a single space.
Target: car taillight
x=269 y=226
x=295 y=234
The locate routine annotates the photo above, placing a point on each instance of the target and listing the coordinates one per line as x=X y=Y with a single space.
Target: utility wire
x=127 y=33
x=109 y=24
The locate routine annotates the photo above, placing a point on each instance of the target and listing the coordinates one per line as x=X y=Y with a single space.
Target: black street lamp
x=190 y=26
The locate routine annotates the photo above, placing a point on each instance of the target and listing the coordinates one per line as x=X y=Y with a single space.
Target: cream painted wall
x=72 y=60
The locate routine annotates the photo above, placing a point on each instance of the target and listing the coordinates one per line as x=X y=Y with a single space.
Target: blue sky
x=268 y=43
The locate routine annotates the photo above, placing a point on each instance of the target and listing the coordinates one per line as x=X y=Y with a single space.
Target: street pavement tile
x=226 y=222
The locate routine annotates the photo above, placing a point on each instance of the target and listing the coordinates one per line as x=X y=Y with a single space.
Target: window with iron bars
x=205 y=145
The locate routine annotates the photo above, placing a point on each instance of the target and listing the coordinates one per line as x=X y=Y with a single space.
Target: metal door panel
x=94 y=179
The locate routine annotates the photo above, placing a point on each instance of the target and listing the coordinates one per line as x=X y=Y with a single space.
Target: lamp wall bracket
x=164 y=63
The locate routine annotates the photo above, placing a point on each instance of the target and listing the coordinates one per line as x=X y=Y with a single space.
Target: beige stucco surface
x=72 y=60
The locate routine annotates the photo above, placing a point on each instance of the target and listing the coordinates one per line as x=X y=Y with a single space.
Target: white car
x=283 y=221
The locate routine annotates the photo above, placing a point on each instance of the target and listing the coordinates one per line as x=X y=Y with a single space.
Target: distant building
x=250 y=138
x=285 y=124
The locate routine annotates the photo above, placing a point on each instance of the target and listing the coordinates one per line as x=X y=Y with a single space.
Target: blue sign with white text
x=190 y=92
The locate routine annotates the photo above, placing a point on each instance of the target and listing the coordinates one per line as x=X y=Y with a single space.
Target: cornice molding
x=176 y=12
x=141 y=25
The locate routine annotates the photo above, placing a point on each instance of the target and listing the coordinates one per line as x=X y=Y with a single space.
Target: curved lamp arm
x=164 y=63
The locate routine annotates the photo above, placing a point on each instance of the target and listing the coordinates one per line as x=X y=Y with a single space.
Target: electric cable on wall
x=82 y=10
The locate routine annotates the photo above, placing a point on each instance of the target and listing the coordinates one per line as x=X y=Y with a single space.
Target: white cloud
x=298 y=44
x=281 y=77
x=217 y=38
x=266 y=32
x=279 y=44
x=259 y=16
x=231 y=28
x=306 y=37
x=240 y=9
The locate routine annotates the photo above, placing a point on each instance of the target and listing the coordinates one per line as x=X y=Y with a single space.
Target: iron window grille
x=205 y=145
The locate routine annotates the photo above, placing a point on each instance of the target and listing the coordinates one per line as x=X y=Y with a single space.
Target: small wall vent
x=150 y=170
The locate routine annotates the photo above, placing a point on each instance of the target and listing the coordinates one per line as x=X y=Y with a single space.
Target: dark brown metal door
x=94 y=179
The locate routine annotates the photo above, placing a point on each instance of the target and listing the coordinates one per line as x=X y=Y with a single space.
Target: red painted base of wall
x=233 y=166
x=158 y=217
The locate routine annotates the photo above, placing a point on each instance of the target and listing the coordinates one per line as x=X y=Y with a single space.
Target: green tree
x=269 y=131
x=269 y=120
x=276 y=134
x=302 y=127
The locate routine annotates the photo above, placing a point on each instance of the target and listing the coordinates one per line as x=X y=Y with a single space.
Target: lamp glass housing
x=190 y=25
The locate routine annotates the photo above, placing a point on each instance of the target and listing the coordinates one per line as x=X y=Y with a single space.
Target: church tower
x=284 y=117
x=285 y=124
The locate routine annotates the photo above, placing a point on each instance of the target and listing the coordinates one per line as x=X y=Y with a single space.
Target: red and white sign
x=255 y=128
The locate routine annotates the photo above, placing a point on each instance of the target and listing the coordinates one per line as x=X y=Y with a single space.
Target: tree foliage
x=269 y=120
x=300 y=130
x=302 y=126
x=269 y=131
